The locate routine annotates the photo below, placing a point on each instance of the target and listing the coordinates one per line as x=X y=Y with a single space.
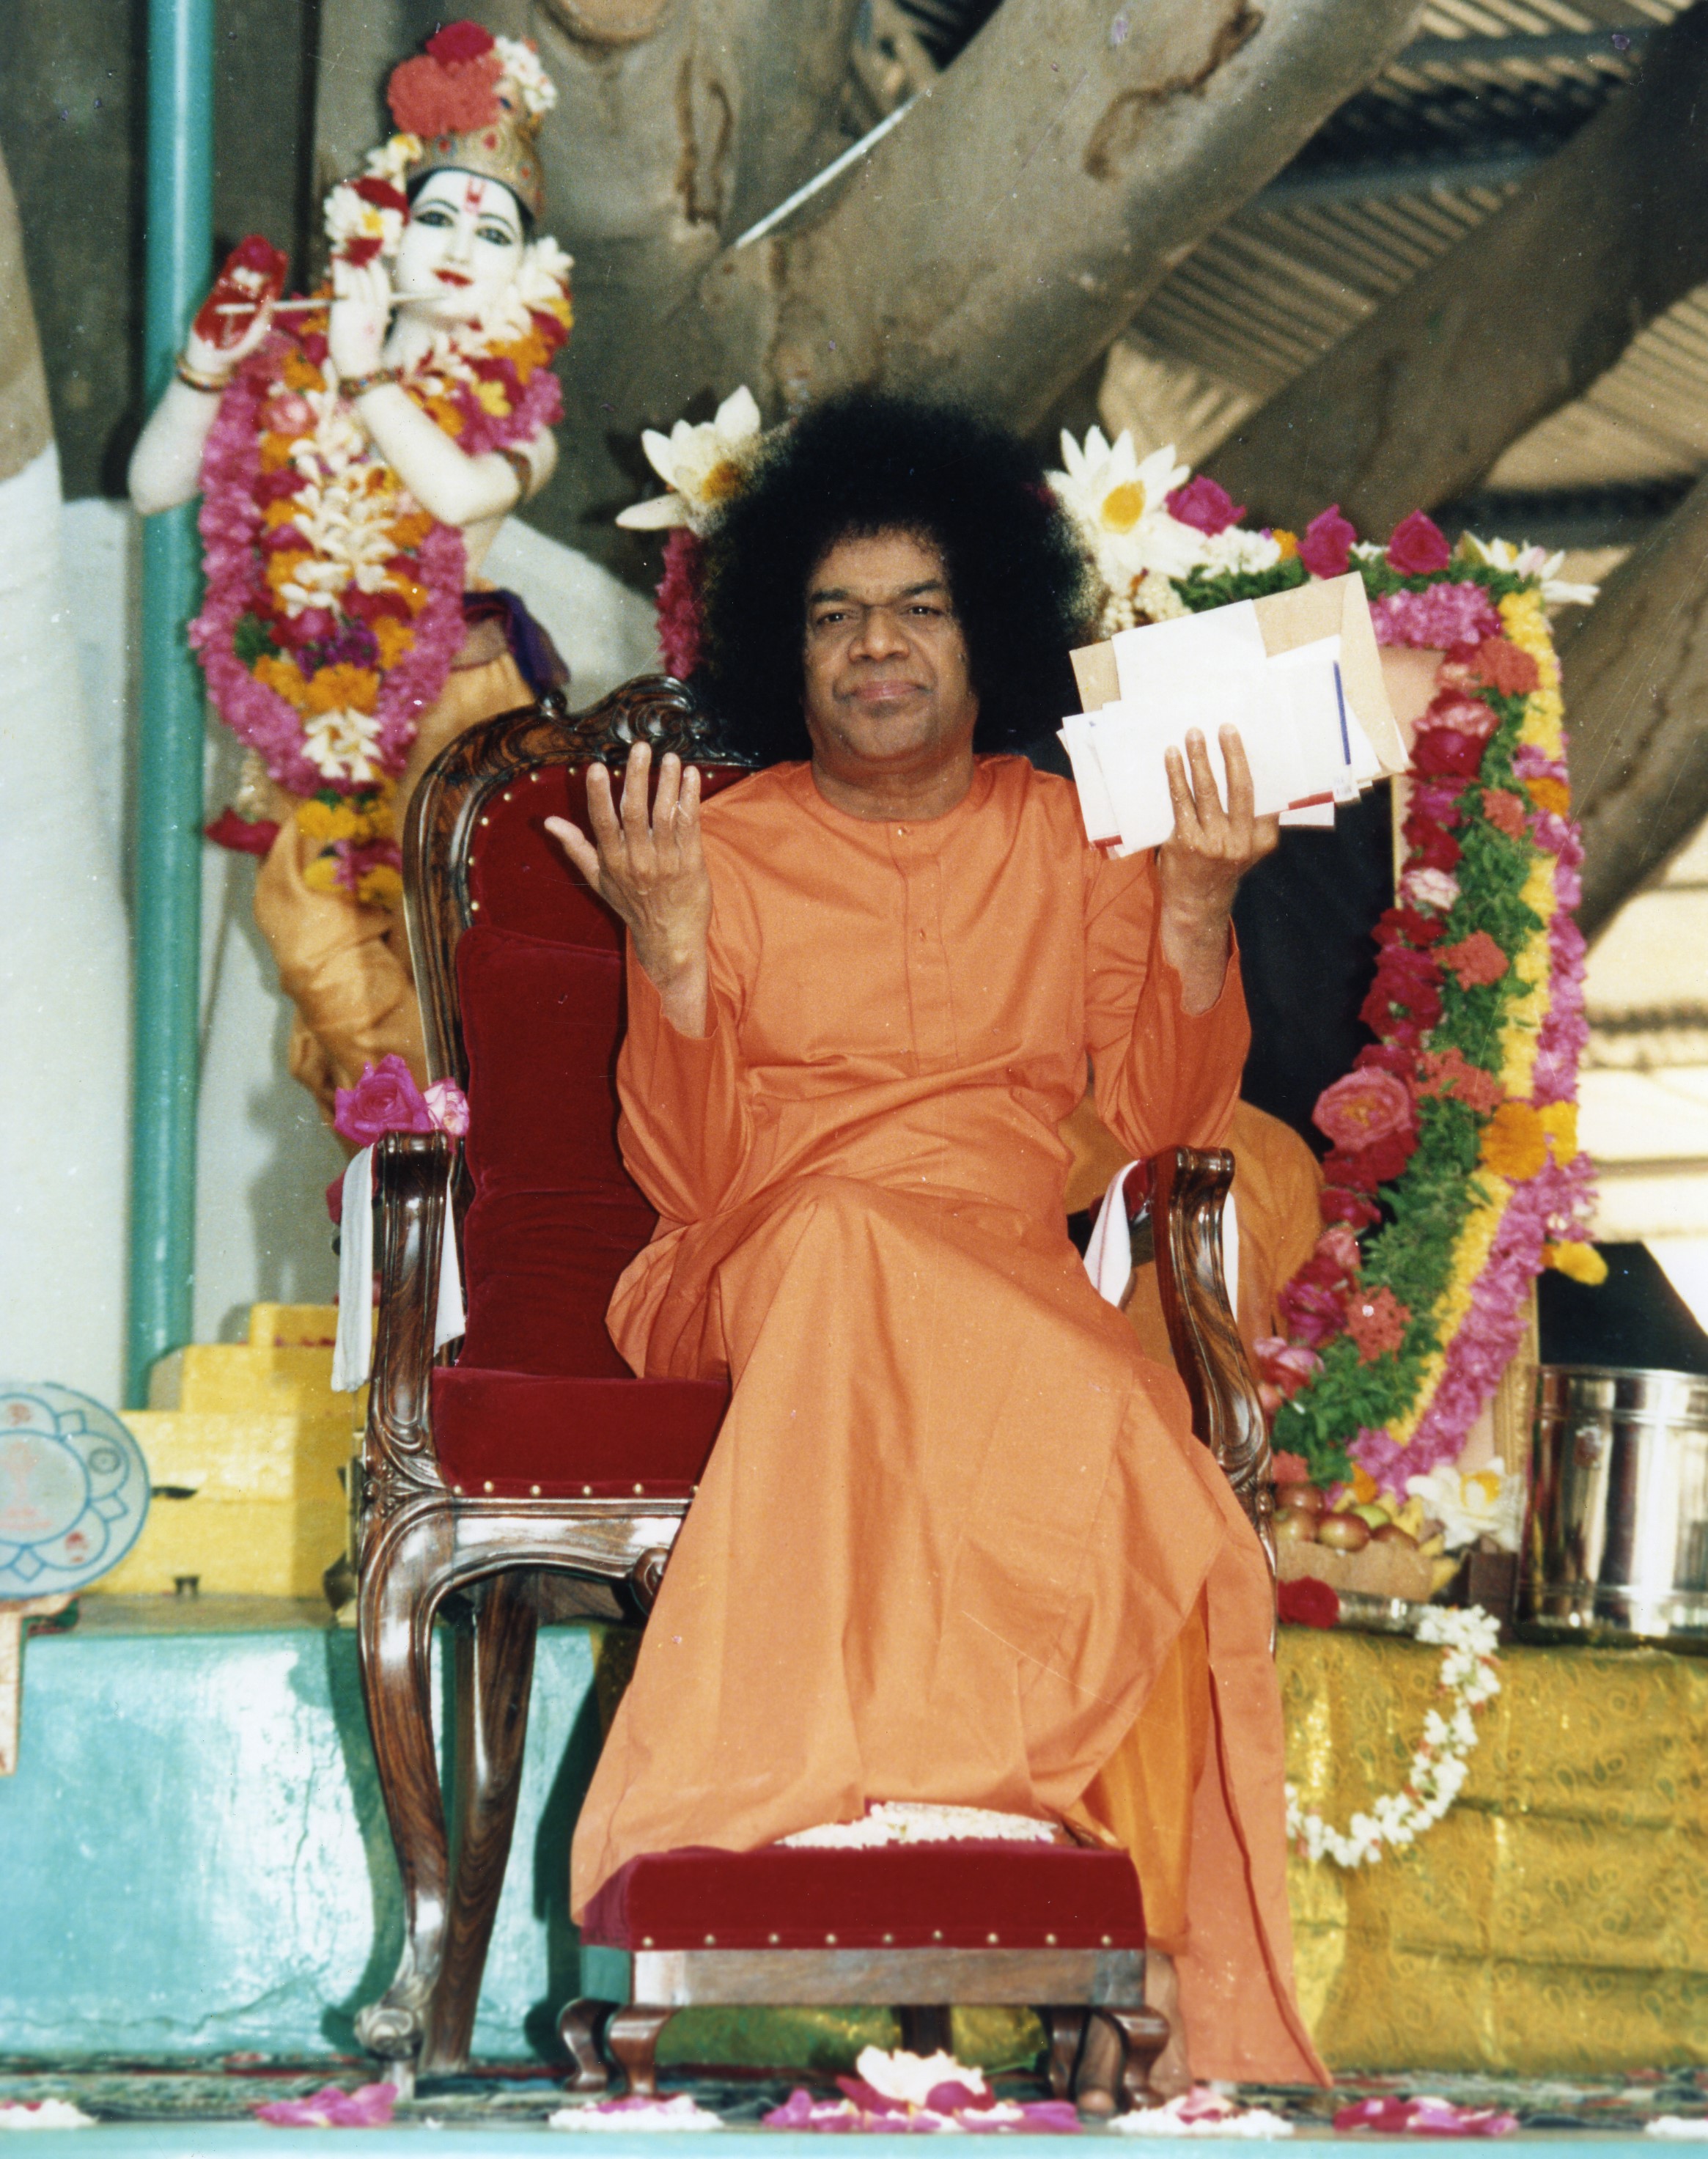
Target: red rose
x=1311 y=1313
x=1412 y=980
x=1431 y=846
x=1286 y=1366
x=1444 y=753
x=1205 y=505
x=1465 y=716
x=1384 y=1057
x=1506 y=667
x=359 y=251
x=1306 y=1603
x=242 y=836
x=1321 y=1272
x=1367 y=1104
x=461 y=41
x=386 y=1099
x=1340 y=1202
x=1397 y=925
x=1419 y=546
x=1338 y=1245
x=1325 y=549
x=1373 y=1165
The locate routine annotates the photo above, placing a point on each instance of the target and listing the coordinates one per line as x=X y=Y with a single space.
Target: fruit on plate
x=1303 y=1499
x=1348 y=1532
x=1294 y=1525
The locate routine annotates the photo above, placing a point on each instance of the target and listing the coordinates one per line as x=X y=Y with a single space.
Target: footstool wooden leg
x=632 y=2036
x=925 y=2028
x=1144 y=2033
x=582 y=2027
x=1066 y=2027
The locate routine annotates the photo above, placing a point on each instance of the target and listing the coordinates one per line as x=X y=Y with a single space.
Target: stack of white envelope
x=1298 y=673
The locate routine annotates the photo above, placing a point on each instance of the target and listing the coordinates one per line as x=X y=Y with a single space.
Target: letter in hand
x=252 y=278
x=651 y=872
x=1200 y=866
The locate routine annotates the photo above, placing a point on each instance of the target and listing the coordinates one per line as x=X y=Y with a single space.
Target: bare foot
x=1171 y=2075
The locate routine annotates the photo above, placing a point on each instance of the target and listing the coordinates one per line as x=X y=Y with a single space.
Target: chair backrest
x=520 y=971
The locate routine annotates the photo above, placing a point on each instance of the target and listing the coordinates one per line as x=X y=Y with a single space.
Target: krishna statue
x=356 y=453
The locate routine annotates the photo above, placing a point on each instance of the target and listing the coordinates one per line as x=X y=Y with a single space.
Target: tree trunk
x=1636 y=684
x=1516 y=320
x=989 y=245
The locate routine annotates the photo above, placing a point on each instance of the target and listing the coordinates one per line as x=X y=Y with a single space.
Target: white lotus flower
x=1481 y=1502
x=1119 y=502
x=702 y=467
x=910 y=2079
x=1531 y=563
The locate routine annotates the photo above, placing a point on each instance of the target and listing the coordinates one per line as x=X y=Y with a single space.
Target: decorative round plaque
x=73 y=1490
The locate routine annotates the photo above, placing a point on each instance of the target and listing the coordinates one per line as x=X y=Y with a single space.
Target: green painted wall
x=194 y=1857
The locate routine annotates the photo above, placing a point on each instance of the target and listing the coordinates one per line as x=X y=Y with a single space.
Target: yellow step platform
x=244 y=1443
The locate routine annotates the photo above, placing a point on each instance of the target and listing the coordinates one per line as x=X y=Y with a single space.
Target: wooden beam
x=1516 y=320
x=1636 y=683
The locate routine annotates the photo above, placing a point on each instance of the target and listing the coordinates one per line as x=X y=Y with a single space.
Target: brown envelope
x=1288 y=619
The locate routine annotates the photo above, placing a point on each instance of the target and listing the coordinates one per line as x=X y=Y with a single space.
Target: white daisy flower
x=1119 y=502
x=702 y=467
x=1482 y=1503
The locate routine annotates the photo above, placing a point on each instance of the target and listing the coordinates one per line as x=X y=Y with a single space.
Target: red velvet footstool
x=1054 y=1928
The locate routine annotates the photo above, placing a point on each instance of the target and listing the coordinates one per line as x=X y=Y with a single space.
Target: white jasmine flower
x=702 y=467
x=1237 y=552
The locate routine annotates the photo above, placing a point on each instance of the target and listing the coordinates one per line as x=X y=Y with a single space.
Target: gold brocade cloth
x=1557 y=1919
x=1554 y=1922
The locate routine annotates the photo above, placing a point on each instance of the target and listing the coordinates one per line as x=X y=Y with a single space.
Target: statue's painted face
x=462 y=246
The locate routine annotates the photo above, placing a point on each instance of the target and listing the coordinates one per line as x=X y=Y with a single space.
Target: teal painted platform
x=193 y=1858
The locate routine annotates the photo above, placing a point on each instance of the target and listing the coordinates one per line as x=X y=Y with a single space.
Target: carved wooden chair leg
x=1065 y=2028
x=1144 y=2034
x=582 y=2028
x=632 y=2036
x=925 y=2028
x=395 y=1639
x=494 y=1672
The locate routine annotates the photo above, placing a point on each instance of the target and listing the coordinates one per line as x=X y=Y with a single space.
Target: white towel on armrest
x=353 y=1358
x=1108 y=1256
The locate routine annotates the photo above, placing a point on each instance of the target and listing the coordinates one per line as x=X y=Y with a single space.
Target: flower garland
x=1470 y=1678
x=334 y=603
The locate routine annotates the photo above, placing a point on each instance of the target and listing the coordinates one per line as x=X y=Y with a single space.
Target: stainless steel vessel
x=1616 y=1539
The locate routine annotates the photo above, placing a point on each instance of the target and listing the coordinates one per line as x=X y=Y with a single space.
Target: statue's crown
x=475 y=103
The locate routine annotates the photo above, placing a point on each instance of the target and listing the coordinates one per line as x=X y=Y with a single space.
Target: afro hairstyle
x=864 y=462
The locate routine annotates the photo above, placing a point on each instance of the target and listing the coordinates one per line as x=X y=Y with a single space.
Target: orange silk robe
x=954 y=1521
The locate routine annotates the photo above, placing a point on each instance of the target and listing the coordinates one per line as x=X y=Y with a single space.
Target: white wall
x=67 y=619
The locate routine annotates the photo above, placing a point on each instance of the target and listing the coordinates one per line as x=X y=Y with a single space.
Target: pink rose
x=1205 y=505
x=386 y=1099
x=1419 y=546
x=1363 y=1107
x=1285 y=1365
x=448 y=1105
x=1312 y=1313
x=1436 y=888
x=1337 y=1243
x=1325 y=549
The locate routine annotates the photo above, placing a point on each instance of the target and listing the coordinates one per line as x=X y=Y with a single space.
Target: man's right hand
x=651 y=873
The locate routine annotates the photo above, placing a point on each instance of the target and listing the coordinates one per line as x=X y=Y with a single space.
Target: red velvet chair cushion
x=969 y=1895
x=518 y=1432
x=555 y=1217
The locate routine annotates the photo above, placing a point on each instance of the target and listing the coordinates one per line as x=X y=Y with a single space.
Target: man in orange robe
x=954 y=1524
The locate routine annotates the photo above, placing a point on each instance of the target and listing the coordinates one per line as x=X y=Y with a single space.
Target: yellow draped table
x=1557 y=1919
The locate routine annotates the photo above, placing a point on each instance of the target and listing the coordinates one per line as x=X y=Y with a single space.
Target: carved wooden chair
x=529 y=1464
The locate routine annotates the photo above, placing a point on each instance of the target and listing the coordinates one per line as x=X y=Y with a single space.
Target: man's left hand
x=1200 y=866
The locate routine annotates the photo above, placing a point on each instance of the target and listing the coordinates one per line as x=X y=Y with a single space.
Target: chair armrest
x=410 y=1176
x=1189 y=1187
